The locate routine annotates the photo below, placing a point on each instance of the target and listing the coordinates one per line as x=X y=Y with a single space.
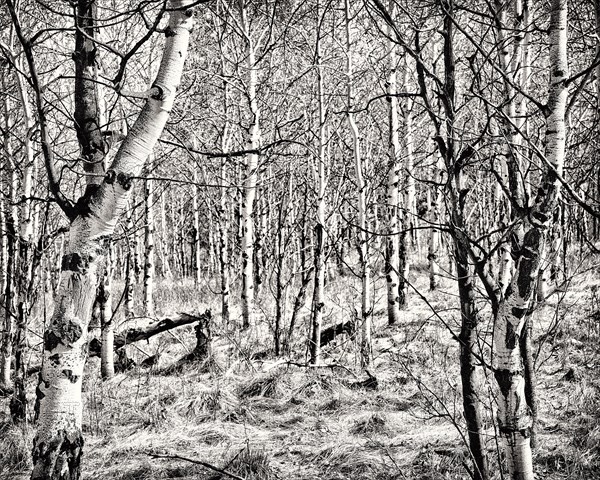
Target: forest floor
x=278 y=419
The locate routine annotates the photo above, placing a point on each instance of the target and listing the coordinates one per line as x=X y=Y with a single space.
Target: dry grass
x=289 y=422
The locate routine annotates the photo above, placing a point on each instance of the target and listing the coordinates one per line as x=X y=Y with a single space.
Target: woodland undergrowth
x=273 y=418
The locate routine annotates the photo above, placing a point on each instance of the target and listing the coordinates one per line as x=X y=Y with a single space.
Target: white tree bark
x=514 y=416
x=408 y=237
x=392 y=264
x=251 y=177
x=58 y=443
x=363 y=246
x=196 y=213
x=149 y=269
x=318 y=300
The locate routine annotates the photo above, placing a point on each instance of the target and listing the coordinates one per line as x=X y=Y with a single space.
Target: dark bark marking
x=49 y=458
x=125 y=180
x=67 y=333
x=69 y=374
x=75 y=262
x=110 y=177
x=504 y=379
x=51 y=341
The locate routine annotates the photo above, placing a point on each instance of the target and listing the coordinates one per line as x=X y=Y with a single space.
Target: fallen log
x=201 y=352
x=329 y=334
x=133 y=335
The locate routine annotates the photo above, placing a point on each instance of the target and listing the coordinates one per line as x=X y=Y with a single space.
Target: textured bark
x=104 y=300
x=133 y=335
x=363 y=246
x=129 y=269
x=224 y=246
x=248 y=286
x=470 y=370
x=196 y=230
x=392 y=265
x=281 y=288
x=88 y=115
x=434 y=240
x=318 y=300
x=202 y=350
x=10 y=221
x=58 y=444
x=409 y=233
x=149 y=268
x=458 y=189
x=305 y=275
x=514 y=411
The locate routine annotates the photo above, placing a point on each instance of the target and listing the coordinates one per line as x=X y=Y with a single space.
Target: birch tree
x=318 y=300
x=392 y=264
x=58 y=443
x=514 y=412
x=363 y=246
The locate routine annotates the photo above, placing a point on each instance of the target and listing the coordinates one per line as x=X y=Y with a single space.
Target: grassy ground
x=266 y=419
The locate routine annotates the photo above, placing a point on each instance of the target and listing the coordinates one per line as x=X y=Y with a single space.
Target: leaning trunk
x=59 y=441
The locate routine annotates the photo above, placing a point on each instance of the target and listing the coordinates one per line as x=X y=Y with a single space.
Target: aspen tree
x=318 y=300
x=90 y=126
x=164 y=239
x=224 y=215
x=514 y=410
x=129 y=270
x=107 y=324
x=363 y=246
x=251 y=172
x=10 y=225
x=392 y=264
x=511 y=62
x=434 y=205
x=149 y=268
x=408 y=235
x=58 y=443
x=196 y=217
x=18 y=404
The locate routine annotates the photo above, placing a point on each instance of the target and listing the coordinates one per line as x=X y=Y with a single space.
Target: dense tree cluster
x=299 y=142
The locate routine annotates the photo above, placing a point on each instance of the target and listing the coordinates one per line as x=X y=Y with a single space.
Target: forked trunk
x=59 y=441
x=514 y=411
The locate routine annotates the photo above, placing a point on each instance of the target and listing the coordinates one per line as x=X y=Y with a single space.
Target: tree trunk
x=407 y=237
x=107 y=361
x=434 y=238
x=514 y=412
x=363 y=246
x=318 y=300
x=469 y=365
x=59 y=441
x=147 y=301
x=196 y=214
x=392 y=264
x=248 y=314
x=10 y=221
